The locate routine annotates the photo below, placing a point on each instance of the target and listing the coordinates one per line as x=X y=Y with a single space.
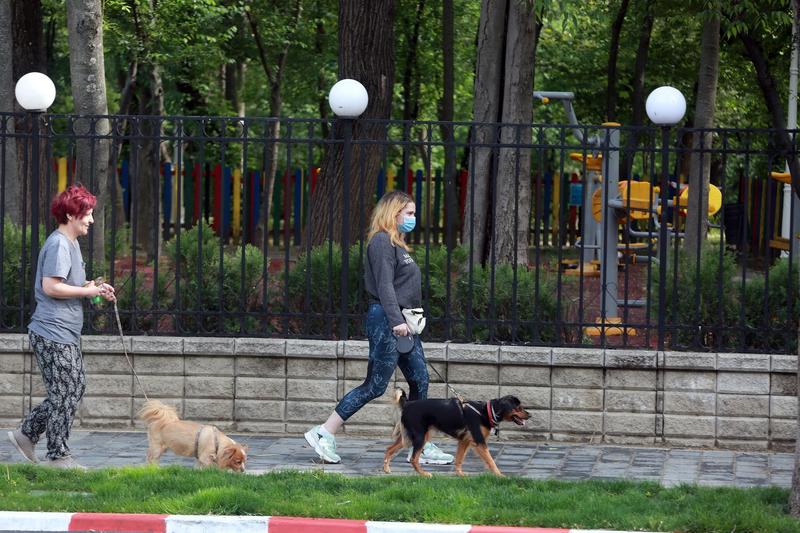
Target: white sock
x=324 y=432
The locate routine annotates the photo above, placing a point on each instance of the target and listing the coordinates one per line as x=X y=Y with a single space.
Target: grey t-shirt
x=59 y=319
x=392 y=277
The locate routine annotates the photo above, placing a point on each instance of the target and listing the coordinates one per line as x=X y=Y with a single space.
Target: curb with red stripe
x=153 y=523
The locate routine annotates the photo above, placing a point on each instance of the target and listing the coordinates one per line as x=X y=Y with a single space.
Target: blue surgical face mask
x=408 y=224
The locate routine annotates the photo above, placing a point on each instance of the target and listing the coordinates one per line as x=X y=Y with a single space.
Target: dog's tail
x=155 y=412
x=399 y=399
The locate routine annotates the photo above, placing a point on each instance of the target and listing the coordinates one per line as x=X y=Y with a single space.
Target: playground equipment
x=599 y=239
x=608 y=202
x=590 y=229
x=781 y=242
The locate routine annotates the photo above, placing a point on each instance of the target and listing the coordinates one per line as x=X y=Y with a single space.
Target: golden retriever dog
x=205 y=443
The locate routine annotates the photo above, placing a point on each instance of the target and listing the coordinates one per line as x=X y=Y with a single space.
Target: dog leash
x=125 y=351
x=495 y=424
x=454 y=391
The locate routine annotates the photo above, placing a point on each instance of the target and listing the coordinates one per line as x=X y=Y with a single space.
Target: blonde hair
x=384 y=217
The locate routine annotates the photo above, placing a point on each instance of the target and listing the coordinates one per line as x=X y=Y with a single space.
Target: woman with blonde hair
x=393 y=282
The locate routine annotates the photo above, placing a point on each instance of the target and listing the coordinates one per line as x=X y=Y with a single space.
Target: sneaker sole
x=13 y=440
x=318 y=451
x=432 y=462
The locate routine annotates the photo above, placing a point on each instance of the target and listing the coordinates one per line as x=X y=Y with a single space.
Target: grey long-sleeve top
x=392 y=277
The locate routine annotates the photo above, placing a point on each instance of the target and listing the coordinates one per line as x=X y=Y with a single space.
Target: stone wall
x=745 y=401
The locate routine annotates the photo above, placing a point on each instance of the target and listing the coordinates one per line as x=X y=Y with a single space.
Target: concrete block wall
x=739 y=401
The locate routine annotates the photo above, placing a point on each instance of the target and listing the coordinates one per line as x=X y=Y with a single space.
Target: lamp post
x=35 y=92
x=348 y=99
x=665 y=106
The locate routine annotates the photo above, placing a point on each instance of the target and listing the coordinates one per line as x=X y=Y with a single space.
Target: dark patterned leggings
x=65 y=381
x=383 y=359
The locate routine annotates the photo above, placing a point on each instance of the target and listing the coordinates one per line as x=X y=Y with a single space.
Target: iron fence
x=560 y=235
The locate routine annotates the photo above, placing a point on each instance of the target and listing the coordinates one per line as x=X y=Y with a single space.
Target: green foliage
x=315 y=289
x=700 y=292
x=772 y=307
x=524 y=314
x=15 y=280
x=440 y=279
x=759 y=314
x=479 y=500
x=136 y=304
x=213 y=279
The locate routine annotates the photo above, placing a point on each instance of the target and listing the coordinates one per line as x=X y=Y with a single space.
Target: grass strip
x=478 y=500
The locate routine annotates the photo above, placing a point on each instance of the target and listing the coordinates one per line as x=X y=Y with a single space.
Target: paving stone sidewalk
x=364 y=457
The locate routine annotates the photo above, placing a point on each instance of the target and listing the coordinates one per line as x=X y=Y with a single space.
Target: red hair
x=75 y=200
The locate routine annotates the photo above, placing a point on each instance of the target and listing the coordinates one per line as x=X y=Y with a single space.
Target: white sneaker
x=65 y=462
x=324 y=445
x=431 y=455
x=23 y=445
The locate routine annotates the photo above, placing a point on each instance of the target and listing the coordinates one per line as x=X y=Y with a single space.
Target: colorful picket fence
x=230 y=200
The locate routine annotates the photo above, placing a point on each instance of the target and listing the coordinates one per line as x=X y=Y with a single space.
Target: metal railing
x=237 y=226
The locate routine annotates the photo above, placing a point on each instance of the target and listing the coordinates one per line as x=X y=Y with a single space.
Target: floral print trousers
x=383 y=359
x=65 y=380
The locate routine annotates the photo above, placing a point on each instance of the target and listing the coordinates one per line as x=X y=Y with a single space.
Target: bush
x=772 y=309
x=315 y=292
x=213 y=282
x=16 y=289
x=704 y=296
x=314 y=285
x=526 y=315
x=137 y=309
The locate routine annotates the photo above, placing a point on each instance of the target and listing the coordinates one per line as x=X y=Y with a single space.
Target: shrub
x=315 y=292
x=437 y=276
x=217 y=295
x=772 y=309
x=703 y=295
x=15 y=289
x=526 y=315
x=314 y=287
x=137 y=309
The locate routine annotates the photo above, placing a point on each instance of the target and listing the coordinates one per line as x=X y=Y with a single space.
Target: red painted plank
x=286 y=524
x=127 y=523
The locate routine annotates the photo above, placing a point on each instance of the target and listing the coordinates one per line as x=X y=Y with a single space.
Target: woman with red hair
x=55 y=329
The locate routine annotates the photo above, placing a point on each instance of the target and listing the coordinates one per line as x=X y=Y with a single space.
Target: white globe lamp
x=665 y=106
x=348 y=98
x=35 y=91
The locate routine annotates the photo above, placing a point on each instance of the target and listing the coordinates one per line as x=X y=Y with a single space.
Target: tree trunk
x=446 y=114
x=29 y=56
x=512 y=206
x=700 y=168
x=10 y=204
x=637 y=98
x=274 y=74
x=322 y=101
x=87 y=74
x=121 y=125
x=146 y=154
x=794 y=495
x=366 y=54
x=766 y=83
x=613 y=54
x=410 y=95
x=489 y=76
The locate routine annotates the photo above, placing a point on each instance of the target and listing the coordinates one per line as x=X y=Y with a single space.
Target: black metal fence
x=255 y=227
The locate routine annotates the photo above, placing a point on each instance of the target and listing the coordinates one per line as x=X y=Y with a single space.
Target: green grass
x=480 y=499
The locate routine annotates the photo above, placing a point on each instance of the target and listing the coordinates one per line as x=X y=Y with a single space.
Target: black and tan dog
x=468 y=422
